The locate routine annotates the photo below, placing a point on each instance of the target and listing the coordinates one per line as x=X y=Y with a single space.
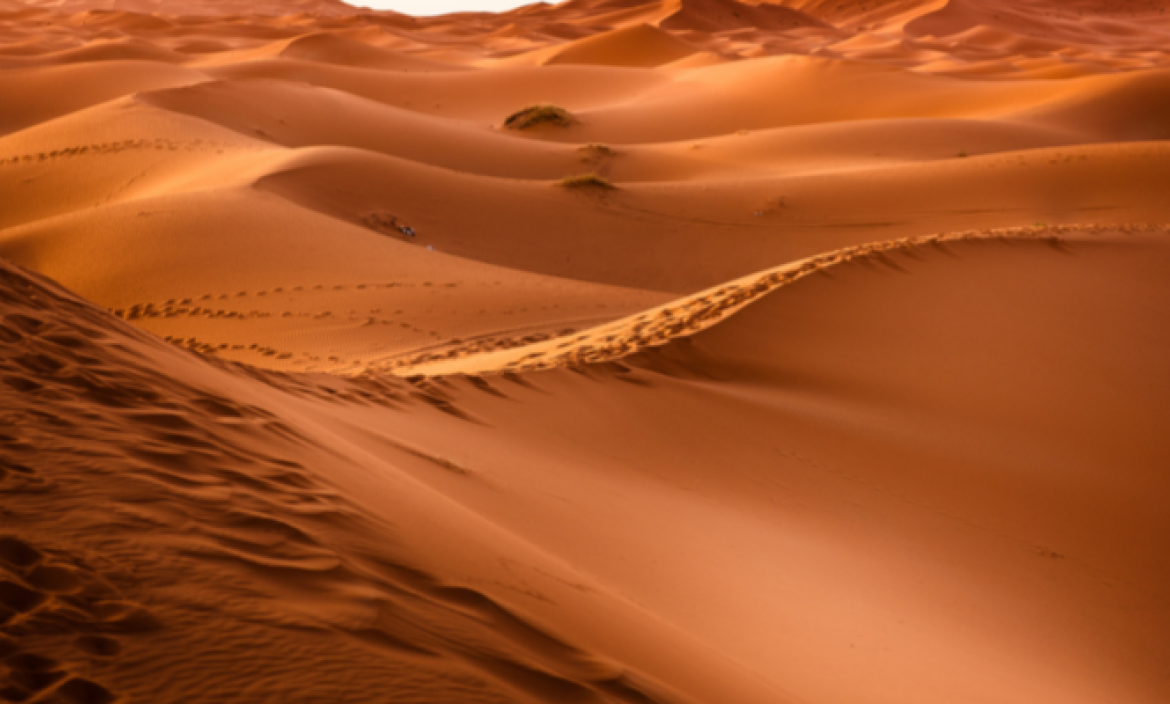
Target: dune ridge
x=680 y=318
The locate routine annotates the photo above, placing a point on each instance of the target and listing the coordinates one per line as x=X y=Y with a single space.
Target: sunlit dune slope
x=56 y=91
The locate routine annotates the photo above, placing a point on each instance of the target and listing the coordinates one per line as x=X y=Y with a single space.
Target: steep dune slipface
x=804 y=351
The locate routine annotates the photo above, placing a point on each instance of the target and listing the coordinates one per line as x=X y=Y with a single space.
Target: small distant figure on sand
x=387 y=223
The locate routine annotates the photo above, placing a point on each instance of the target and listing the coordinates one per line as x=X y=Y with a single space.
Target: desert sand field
x=605 y=352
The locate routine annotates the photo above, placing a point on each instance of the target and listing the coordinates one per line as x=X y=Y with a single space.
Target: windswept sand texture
x=801 y=351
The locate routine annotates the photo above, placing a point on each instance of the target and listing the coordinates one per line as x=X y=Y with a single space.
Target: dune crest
x=722 y=15
x=640 y=46
x=692 y=314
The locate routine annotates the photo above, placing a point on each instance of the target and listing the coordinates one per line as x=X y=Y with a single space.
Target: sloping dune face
x=606 y=352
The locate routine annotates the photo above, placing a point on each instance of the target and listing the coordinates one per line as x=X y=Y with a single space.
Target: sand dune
x=639 y=46
x=53 y=92
x=778 y=351
x=329 y=48
x=126 y=50
x=717 y=15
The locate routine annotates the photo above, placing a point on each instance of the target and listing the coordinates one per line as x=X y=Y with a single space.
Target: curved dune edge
x=691 y=314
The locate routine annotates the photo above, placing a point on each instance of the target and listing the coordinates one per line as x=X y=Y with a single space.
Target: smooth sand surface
x=793 y=351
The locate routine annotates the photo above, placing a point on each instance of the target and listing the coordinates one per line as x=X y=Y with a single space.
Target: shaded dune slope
x=277 y=559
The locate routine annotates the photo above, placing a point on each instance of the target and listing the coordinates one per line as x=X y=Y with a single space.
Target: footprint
x=28 y=324
x=98 y=646
x=29 y=674
x=54 y=579
x=124 y=617
x=19 y=599
x=81 y=691
x=17 y=553
x=30 y=663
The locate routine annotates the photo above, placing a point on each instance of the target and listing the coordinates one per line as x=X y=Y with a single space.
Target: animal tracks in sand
x=374 y=315
x=460 y=349
x=189 y=306
x=496 y=352
x=49 y=595
x=107 y=148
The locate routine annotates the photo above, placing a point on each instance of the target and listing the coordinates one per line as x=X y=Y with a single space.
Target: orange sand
x=851 y=386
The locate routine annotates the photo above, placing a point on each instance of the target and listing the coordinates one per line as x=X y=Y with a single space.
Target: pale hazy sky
x=439 y=7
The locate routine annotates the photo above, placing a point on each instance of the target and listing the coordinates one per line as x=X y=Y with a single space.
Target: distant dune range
x=795 y=351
